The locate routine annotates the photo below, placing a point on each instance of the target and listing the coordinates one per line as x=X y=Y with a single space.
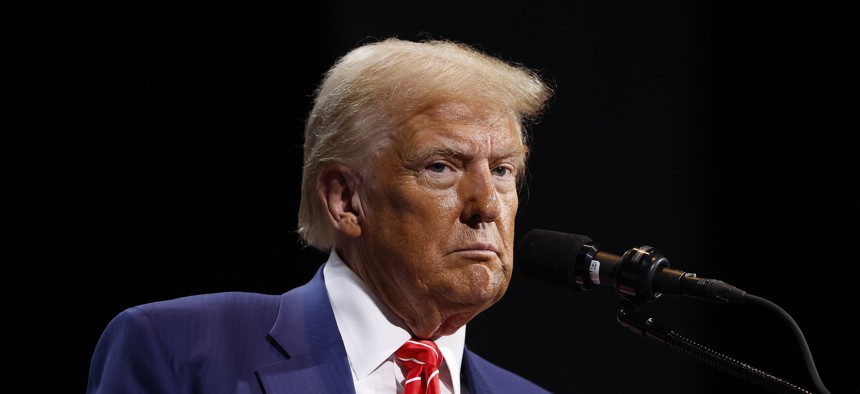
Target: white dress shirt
x=372 y=333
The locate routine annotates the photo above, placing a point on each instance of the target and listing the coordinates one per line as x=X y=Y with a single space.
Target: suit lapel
x=305 y=332
x=477 y=380
x=326 y=371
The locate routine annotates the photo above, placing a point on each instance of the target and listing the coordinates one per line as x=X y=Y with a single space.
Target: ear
x=337 y=189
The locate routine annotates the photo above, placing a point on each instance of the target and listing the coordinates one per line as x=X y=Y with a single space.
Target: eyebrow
x=516 y=153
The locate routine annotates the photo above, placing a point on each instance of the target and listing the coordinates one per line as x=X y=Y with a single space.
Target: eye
x=440 y=174
x=437 y=167
x=502 y=171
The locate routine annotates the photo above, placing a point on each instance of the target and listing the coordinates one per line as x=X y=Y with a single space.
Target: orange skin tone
x=431 y=232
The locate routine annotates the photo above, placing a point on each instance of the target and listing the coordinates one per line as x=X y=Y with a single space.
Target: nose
x=480 y=200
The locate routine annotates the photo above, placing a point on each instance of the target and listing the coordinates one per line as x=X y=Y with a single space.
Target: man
x=414 y=152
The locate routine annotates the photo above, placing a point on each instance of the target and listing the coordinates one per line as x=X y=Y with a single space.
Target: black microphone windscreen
x=550 y=256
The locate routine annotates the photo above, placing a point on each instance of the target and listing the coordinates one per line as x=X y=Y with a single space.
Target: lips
x=479 y=250
x=479 y=246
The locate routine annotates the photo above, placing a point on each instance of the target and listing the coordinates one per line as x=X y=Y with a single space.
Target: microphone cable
x=798 y=335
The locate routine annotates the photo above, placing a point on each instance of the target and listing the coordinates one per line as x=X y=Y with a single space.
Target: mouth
x=478 y=250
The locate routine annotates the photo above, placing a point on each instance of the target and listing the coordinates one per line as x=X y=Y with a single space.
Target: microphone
x=576 y=262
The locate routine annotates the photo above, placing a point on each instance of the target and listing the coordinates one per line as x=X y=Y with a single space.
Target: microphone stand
x=631 y=316
x=642 y=275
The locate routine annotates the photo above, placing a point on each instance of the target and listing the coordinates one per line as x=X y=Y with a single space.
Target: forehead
x=463 y=124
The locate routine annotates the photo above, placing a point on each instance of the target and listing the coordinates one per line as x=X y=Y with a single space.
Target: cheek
x=436 y=203
x=512 y=203
x=429 y=218
x=507 y=217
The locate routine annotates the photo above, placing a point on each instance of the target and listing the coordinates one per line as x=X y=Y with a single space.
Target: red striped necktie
x=422 y=360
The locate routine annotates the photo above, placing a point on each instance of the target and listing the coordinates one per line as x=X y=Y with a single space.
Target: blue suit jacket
x=245 y=343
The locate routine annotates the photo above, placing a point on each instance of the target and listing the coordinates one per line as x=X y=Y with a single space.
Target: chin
x=484 y=281
x=487 y=296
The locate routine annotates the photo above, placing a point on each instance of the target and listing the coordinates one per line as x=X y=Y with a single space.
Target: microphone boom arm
x=629 y=316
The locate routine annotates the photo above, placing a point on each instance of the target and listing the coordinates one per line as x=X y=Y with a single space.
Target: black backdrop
x=161 y=151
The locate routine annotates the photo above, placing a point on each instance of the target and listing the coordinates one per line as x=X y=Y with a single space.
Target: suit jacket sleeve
x=129 y=358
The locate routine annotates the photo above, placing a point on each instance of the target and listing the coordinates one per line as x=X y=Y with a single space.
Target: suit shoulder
x=235 y=310
x=226 y=302
x=165 y=344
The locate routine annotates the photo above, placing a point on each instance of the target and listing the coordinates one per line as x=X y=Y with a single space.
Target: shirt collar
x=370 y=331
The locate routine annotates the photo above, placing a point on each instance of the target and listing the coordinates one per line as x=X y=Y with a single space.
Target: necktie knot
x=422 y=359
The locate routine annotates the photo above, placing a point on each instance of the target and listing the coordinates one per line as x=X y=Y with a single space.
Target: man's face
x=439 y=209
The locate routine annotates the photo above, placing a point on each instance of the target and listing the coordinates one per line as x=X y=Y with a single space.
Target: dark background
x=160 y=156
